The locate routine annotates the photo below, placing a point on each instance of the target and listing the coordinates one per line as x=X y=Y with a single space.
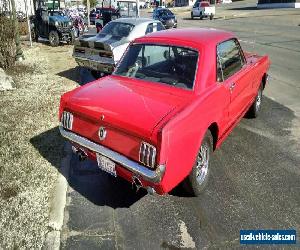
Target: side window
x=160 y=27
x=149 y=28
x=229 y=59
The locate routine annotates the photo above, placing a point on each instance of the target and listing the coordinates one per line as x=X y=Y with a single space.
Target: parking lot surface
x=255 y=174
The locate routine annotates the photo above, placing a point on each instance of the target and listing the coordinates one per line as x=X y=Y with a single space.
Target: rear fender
x=181 y=139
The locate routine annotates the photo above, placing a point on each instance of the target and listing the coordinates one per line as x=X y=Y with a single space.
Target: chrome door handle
x=232 y=86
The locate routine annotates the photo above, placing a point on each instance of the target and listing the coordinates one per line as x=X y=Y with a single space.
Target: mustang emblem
x=102 y=133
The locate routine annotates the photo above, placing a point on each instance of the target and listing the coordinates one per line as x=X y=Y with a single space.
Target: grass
x=30 y=148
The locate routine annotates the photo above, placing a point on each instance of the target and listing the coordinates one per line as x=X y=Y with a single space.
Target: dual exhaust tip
x=136 y=182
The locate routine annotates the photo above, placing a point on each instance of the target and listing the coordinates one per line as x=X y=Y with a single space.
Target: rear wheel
x=256 y=105
x=192 y=16
x=211 y=17
x=53 y=38
x=201 y=17
x=34 y=35
x=197 y=180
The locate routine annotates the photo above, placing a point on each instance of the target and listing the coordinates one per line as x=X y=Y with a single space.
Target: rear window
x=171 y=65
x=116 y=29
x=204 y=4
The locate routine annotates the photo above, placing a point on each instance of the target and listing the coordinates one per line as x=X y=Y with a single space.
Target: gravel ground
x=31 y=148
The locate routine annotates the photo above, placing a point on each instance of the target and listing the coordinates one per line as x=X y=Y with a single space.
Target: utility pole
x=88 y=11
x=19 y=52
x=28 y=21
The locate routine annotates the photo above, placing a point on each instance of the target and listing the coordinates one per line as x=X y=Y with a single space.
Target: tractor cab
x=50 y=23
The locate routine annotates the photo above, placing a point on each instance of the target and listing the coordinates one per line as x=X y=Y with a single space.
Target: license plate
x=106 y=165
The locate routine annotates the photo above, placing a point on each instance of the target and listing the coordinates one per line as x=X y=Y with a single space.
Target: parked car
x=173 y=99
x=203 y=9
x=97 y=14
x=167 y=17
x=102 y=52
x=52 y=25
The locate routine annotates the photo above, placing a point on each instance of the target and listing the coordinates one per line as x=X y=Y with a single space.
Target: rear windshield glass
x=169 y=65
x=116 y=29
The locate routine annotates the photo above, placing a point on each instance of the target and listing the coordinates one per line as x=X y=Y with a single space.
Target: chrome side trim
x=154 y=176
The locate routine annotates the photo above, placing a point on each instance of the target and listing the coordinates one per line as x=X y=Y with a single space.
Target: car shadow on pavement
x=99 y=187
x=50 y=145
x=78 y=74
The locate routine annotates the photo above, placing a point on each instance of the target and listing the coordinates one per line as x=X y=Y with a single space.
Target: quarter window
x=160 y=27
x=149 y=28
x=229 y=59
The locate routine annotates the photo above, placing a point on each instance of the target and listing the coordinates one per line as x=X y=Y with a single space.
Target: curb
x=58 y=202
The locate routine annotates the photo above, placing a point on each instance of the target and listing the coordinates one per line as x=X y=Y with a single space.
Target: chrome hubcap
x=52 y=38
x=202 y=164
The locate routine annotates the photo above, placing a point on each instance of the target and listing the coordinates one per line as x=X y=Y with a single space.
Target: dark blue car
x=167 y=18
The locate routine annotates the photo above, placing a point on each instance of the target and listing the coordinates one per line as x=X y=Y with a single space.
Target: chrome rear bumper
x=154 y=176
x=94 y=64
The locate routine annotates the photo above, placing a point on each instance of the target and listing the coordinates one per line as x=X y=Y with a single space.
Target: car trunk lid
x=126 y=106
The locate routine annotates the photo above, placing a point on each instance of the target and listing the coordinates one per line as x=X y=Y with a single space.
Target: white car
x=102 y=52
x=203 y=9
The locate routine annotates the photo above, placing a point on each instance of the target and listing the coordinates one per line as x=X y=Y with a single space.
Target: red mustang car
x=172 y=100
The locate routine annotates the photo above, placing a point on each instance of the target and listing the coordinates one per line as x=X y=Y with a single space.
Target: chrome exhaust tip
x=150 y=190
x=82 y=156
x=136 y=182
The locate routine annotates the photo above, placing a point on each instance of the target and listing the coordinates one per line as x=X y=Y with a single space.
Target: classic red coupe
x=171 y=101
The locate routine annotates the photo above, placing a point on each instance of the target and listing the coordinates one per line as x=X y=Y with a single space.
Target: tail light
x=147 y=154
x=67 y=120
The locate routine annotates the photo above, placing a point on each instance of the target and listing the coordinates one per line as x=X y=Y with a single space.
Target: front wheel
x=192 y=16
x=211 y=17
x=197 y=180
x=72 y=38
x=53 y=38
x=256 y=105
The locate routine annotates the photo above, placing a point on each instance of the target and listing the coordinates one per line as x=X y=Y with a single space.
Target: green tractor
x=50 y=23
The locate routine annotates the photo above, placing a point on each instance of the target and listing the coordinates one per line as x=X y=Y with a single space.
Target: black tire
x=72 y=38
x=54 y=38
x=192 y=16
x=201 y=17
x=197 y=180
x=34 y=35
x=211 y=17
x=256 y=105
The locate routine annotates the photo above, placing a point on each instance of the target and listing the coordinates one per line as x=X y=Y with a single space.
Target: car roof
x=134 y=21
x=198 y=37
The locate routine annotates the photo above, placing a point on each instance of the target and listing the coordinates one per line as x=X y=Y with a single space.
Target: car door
x=234 y=74
x=196 y=11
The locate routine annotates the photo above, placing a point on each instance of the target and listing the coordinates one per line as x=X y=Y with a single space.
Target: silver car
x=102 y=52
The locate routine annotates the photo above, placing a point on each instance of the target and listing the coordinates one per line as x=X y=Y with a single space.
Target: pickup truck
x=172 y=100
x=203 y=9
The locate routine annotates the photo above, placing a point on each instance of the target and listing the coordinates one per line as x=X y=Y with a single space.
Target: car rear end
x=94 y=55
x=118 y=120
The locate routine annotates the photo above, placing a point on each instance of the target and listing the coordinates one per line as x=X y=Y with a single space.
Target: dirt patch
x=30 y=148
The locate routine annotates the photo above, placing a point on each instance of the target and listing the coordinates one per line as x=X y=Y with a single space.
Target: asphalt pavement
x=255 y=174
